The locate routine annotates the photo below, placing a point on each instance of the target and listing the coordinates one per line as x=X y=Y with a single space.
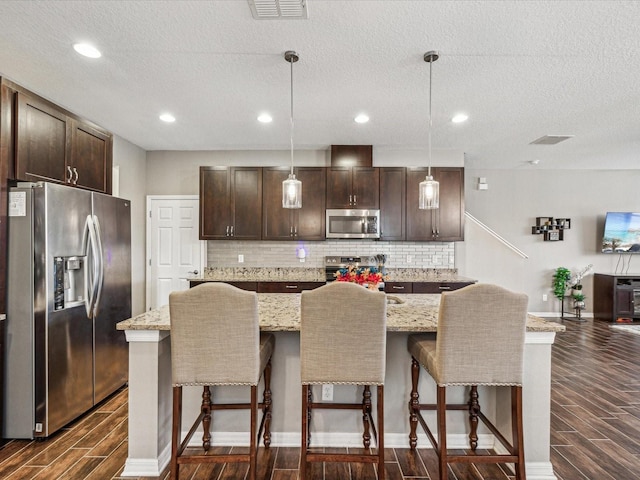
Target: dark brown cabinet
x=306 y=223
x=55 y=147
x=353 y=187
x=444 y=224
x=287 y=287
x=615 y=297
x=230 y=203
x=392 y=203
x=250 y=286
x=91 y=157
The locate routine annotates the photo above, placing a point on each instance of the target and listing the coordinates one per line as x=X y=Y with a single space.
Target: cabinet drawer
x=250 y=286
x=398 y=287
x=287 y=287
x=438 y=287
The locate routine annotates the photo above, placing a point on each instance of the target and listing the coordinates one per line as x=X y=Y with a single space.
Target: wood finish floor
x=595 y=429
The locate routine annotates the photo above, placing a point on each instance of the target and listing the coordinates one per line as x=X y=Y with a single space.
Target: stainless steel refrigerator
x=69 y=283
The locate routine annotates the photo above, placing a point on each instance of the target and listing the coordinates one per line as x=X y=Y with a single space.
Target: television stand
x=616 y=297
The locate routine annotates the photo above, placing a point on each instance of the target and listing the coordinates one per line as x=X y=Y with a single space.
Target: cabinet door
x=392 y=203
x=43 y=141
x=624 y=302
x=365 y=183
x=246 y=203
x=91 y=158
x=214 y=203
x=309 y=221
x=450 y=216
x=277 y=222
x=420 y=223
x=339 y=194
x=446 y=223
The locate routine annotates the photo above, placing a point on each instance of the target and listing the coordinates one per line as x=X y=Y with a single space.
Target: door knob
x=195 y=272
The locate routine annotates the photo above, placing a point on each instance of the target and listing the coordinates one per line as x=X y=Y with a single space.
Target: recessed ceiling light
x=87 y=50
x=265 y=118
x=362 y=118
x=167 y=117
x=459 y=118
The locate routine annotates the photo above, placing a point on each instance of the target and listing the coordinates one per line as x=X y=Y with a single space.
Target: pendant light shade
x=291 y=187
x=429 y=197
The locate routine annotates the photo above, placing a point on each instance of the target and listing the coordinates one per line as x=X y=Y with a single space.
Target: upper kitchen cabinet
x=352 y=182
x=392 y=203
x=55 y=146
x=230 y=203
x=91 y=157
x=446 y=223
x=306 y=223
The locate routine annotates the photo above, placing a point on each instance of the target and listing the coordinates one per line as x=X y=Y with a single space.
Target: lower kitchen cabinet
x=250 y=286
x=287 y=287
x=423 y=287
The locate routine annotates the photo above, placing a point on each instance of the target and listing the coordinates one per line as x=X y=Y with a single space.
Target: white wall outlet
x=240 y=258
x=544 y=297
x=409 y=259
x=327 y=392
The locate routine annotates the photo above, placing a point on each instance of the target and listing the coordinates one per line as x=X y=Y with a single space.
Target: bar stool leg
x=304 y=437
x=380 y=435
x=175 y=431
x=266 y=405
x=366 y=413
x=205 y=408
x=517 y=432
x=442 y=431
x=474 y=409
x=414 y=403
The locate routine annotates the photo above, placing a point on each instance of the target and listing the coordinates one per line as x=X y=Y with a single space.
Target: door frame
x=203 y=243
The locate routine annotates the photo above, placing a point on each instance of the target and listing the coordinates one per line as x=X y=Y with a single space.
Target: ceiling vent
x=551 y=139
x=279 y=9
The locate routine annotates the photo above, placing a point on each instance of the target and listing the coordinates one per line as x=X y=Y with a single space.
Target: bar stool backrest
x=214 y=336
x=343 y=334
x=480 y=340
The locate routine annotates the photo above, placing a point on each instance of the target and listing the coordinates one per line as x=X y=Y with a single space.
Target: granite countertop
x=288 y=274
x=280 y=312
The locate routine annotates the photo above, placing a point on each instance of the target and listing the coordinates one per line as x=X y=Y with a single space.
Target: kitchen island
x=150 y=387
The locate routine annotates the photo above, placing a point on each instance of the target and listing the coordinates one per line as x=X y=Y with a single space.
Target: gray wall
x=133 y=165
x=511 y=204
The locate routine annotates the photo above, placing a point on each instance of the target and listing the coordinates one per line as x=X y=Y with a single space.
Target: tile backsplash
x=222 y=253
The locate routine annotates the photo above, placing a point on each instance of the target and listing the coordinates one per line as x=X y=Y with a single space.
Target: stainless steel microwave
x=348 y=223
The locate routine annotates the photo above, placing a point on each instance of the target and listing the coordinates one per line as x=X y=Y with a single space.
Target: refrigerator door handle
x=91 y=267
x=99 y=259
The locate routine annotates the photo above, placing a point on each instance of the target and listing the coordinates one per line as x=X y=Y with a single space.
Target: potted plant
x=561 y=279
x=576 y=280
x=578 y=301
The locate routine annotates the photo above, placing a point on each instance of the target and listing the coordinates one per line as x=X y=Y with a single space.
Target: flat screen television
x=621 y=233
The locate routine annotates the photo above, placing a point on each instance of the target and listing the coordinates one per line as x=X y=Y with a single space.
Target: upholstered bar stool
x=215 y=341
x=343 y=338
x=480 y=341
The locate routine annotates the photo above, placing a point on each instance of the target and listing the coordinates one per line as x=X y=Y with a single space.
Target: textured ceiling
x=519 y=69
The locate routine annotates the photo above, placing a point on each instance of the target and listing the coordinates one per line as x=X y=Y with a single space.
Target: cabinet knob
x=397 y=287
x=70 y=174
x=291 y=286
x=355 y=199
x=227 y=230
x=75 y=180
x=232 y=230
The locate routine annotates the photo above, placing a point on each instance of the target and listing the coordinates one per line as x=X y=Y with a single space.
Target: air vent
x=279 y=9
x=551 y=139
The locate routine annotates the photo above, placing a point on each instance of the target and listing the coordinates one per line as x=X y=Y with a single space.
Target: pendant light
x=291 y=187
x=429 y=198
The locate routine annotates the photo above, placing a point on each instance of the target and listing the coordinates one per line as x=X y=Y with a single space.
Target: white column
x=149 y=403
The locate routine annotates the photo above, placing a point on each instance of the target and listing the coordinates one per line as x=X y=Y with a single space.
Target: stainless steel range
x=333 y=263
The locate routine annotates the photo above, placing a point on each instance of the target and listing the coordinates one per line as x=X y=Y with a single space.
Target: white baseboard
x=147 y=467
x=567 y=314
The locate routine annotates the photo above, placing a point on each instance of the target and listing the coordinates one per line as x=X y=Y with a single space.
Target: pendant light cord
x=430 y=121
x=291 y=115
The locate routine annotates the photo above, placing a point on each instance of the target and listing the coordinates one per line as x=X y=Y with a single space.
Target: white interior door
x=174 y=252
